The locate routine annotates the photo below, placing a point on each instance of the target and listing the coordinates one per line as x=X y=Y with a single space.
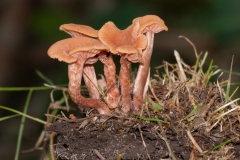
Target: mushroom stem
x=91 y=81
x=140 y=88
x=124 y=80
x=75 y=72
x=113 y=95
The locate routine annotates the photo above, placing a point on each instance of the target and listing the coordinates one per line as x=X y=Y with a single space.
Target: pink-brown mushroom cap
x=76 y=30
x=150 y=23
x=64 y=50
x=60 y=50
x=122 y=41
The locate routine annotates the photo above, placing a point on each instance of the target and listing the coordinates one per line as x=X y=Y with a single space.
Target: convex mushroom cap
x=150 y=23
x=64 y=50
x=124 y=42
x=76 y=30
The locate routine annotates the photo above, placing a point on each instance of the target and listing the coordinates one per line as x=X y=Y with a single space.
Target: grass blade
x=225 y=105
x=208 y=72
x=221 y=144
x=229 y=82
x=234 y=92
x=152 y=119
x=23 y=88
x=7 y=117
x=23 y=114
x=20 y=133
x=47 y=80
x=2 y=89
x=204 y=59
x=226 y=71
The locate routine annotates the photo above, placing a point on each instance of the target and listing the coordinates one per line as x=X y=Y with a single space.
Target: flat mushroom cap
x=150 y=23
x=76 y=30
x=125 y=42
x=64 y=50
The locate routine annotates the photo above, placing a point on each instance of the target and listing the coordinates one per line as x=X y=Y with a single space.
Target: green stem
x=22 y=125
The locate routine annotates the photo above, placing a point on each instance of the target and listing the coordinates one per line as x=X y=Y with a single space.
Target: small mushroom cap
x=64 y=50
x=76 y=30
x=150 y=23
x=122 y=42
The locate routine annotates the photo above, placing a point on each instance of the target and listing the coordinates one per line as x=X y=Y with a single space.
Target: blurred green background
x=28 y=28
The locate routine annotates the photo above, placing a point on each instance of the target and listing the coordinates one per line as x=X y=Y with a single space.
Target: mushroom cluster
x=87 y=46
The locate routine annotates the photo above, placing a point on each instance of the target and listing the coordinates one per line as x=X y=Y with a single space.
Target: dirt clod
x=181 y=119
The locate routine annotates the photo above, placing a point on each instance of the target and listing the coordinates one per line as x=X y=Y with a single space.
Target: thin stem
x=90 y=80
x=20 y=133
x=23 y=114
x=113 y=95
x=139 y=90
x=124 y=80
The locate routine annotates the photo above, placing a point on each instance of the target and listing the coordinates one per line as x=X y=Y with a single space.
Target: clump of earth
x=182 y=118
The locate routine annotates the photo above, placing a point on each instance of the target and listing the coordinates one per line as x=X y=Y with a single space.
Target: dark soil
x=116 y=138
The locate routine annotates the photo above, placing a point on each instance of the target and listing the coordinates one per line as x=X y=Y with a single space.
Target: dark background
x=28 y=28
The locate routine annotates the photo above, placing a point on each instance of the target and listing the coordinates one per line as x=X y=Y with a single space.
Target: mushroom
x=129 y=45
x=113 y=95
x=149 y=25
x=76 y=30
x=89 y=75
x=76 y=51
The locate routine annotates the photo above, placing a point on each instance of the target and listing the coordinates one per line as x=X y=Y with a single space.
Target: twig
x=38 y=143
x=55 y=106
x=219 y=88
x=64 y=115
x=144 y=144
x=191 y=43
x=194 y=142
x=182 y=75
x=108 y=89
x=82 y=119
x=64 y=90
x=51 y=149
x=154 y=95
x=103 y=94
x=66 y=99
x=99 y=154
x=164 y=138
